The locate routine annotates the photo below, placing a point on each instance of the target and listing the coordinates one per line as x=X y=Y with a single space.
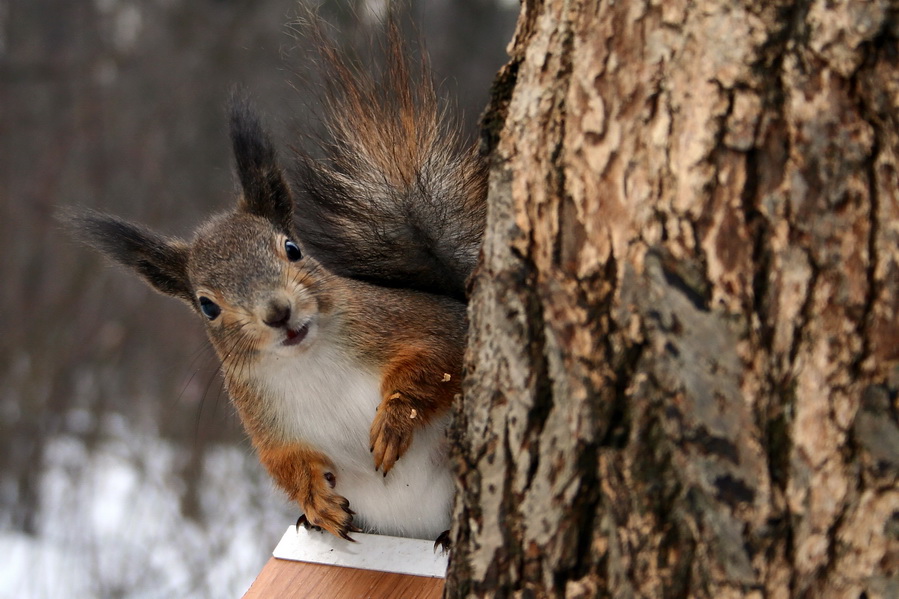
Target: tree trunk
x=684 y=358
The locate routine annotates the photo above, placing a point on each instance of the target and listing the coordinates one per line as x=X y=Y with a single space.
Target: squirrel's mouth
x=296 y=336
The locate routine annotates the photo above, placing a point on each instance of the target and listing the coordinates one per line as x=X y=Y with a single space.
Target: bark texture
x=684 y=359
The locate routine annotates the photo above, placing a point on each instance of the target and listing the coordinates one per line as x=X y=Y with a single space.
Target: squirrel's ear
x=265 y=190
x=160 y=261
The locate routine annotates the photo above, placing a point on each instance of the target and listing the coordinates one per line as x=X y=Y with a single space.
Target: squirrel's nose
x=277 y=315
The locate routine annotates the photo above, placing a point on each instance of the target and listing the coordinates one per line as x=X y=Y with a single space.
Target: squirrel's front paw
x=391 y=431
x=328 y=511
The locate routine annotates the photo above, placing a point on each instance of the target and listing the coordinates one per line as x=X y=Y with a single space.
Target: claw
x=443 y=542
x=346 y=536
x=304 y=522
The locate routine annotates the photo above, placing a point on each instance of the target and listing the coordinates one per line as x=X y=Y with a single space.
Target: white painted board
x=416 y=557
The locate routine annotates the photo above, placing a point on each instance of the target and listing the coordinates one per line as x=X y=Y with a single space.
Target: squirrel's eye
x=209 y=308
x=292 y=250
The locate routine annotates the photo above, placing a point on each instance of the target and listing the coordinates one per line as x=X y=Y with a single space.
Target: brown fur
x=301 y=471
x=414 y=340
x=396 y=166
x=400 y=199
x=415 y=389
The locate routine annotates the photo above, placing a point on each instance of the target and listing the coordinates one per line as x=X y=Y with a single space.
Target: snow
x=112 y=524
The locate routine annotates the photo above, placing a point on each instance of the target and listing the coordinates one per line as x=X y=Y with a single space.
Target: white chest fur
x=321 y=398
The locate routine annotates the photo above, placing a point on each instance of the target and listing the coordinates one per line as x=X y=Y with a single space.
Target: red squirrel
x=336 y=305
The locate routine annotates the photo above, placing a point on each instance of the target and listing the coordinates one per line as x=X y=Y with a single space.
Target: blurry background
x=123 y=469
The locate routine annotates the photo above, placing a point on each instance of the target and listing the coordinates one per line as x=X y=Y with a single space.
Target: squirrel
x=337 y=304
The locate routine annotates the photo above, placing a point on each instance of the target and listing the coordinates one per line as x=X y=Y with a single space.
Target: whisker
x=197 y=428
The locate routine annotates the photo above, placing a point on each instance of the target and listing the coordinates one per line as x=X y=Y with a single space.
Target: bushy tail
x=397 y=199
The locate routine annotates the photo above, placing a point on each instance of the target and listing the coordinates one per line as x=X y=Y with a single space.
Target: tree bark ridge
x=684 y=361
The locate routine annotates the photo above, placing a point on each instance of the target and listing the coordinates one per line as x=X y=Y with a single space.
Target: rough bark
x=684 y=360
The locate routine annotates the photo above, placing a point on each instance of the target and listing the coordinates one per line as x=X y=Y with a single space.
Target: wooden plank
x=283 y=579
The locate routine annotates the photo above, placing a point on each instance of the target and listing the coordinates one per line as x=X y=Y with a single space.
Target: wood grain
x=285 y=579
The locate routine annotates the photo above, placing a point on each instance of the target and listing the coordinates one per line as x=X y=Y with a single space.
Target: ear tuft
x=265 y=190
x=160 y=261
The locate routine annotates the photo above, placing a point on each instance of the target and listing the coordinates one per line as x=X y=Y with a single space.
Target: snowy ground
x=112 y=523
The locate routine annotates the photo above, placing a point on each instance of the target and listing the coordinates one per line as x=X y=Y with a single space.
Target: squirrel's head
x=244 y=272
